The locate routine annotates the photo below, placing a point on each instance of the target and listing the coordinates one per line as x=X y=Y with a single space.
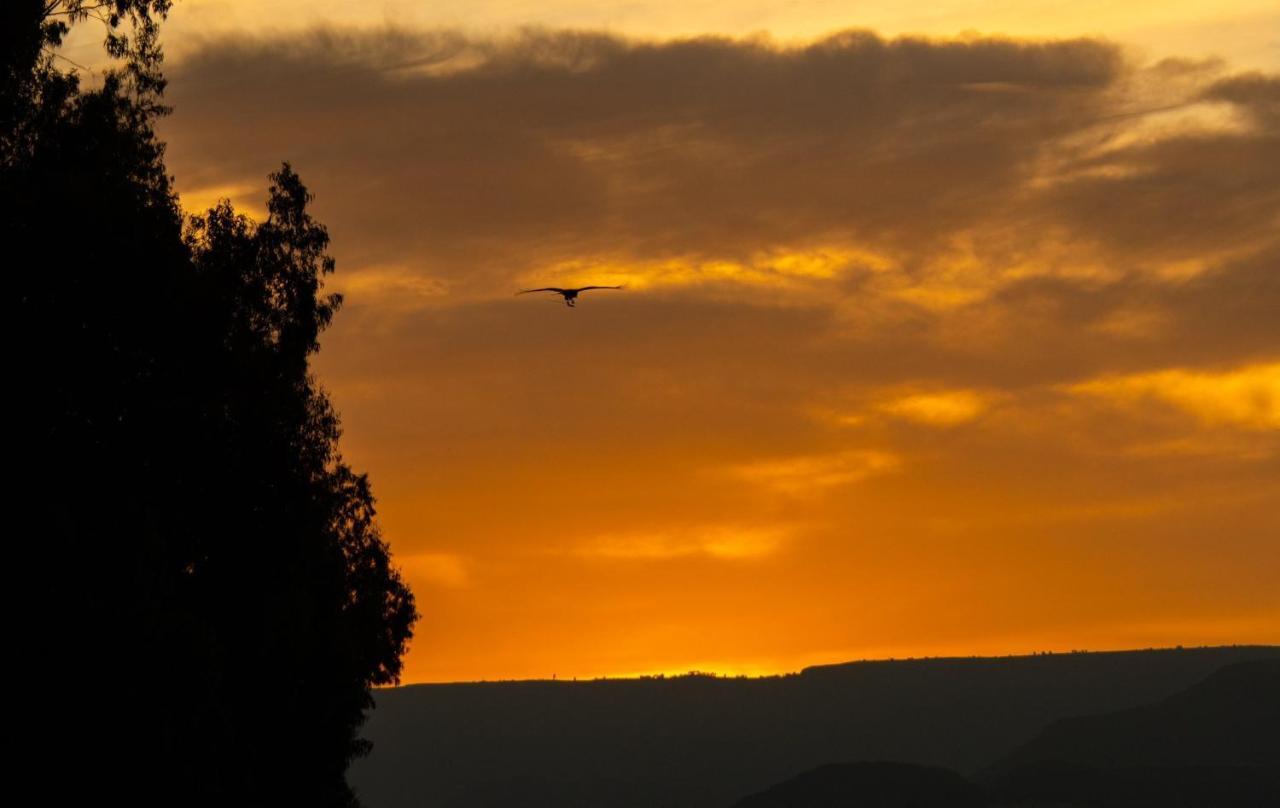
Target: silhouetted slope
x=700 y=741
x=903 y=785
x=1232 y=718
x=1142 y=787
x=871 y=785
x=1216 y=744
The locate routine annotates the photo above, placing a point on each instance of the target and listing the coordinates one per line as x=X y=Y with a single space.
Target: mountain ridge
x=696 y=741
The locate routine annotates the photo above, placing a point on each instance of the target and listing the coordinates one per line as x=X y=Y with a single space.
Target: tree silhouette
x=221 y=601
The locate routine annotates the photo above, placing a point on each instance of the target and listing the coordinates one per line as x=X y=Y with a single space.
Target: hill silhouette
x=1229 y=719
x=705 y=741
x=1214 y=744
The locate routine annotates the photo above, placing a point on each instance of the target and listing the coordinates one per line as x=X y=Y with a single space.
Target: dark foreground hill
x=698 y=741
x=1215 y=745
x=904 y=785
x=1232 y=718
x=871 y=785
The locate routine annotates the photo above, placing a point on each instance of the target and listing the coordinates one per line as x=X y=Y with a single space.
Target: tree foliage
x=224 y=599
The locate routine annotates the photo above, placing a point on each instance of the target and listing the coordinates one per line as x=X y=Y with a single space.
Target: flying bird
x=570 y=295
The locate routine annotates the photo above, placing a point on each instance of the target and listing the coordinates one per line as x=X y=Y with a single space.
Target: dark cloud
x=463 y=152
x=1090 y=243
x=472 y=162
x=1257 y=93
x=1177 y=198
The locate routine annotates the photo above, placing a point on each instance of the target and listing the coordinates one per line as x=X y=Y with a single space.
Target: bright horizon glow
x=765 y=670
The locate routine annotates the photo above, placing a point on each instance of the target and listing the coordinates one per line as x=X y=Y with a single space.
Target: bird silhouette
x=570 y=295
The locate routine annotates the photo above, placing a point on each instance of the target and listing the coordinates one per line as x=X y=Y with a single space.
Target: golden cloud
x=722 y=542
x=943 y=408
x=393 y=287
x=779 y=268
x=1248 y=397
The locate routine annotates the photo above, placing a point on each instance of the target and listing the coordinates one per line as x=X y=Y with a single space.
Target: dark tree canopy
x=217 y=600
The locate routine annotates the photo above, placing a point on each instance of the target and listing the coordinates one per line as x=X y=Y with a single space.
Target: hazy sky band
x=1242 y=31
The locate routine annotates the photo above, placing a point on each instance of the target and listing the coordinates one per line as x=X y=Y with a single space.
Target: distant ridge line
x=822 y=668
x=1043 y=655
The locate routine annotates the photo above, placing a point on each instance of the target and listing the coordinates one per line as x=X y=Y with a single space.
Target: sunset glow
x=950 y=330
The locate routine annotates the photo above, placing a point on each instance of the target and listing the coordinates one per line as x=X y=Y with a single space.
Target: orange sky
x=929 y=346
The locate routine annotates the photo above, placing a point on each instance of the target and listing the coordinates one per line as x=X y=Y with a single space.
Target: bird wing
x=585 y=288
x=543 y=289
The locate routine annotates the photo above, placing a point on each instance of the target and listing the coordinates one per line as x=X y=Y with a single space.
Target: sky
x=947 y=329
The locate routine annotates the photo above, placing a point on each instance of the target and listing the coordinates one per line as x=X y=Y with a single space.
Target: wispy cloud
x=940 y=408
x=771 y=270
x=392 y=287
x=723 y=542
x=1248 y=396
x=439 y=569
x=810 y=474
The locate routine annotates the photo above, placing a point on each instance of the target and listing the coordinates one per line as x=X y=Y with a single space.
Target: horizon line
x=663 y=675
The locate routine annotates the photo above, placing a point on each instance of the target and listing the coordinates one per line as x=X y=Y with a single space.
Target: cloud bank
x=985 y=320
